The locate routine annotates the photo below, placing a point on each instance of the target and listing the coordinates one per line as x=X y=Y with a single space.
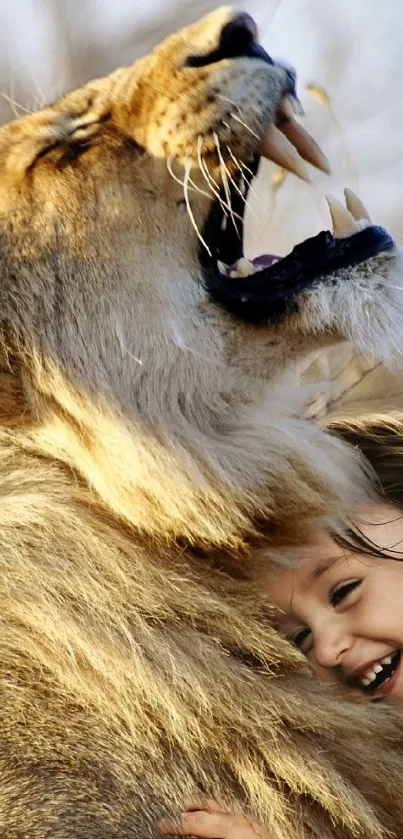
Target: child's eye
x=343 y=590
x=300 y=637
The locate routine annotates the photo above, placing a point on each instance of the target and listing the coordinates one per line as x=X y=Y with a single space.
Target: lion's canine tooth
x=286 y=108
x=356 y=207
x=343 y=222
x=306 y=145
x=275 y=146
x=302 y=140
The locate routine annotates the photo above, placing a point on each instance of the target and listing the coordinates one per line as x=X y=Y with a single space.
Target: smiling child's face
x=344 y=609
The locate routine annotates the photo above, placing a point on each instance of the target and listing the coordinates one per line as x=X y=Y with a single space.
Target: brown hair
x=380 y=439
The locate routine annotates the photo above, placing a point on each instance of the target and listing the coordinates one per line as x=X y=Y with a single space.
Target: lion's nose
x=238 y=34
x=237 y=39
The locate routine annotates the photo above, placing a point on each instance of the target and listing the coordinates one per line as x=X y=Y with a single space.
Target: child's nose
x=331 y=643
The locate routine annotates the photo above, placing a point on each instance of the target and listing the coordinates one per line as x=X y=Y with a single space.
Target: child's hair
x=380 y=438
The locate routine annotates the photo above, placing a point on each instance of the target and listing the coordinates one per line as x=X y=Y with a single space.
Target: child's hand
x=210 y=821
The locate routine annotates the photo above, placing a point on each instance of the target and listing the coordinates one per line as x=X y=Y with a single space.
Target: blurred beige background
x=349 y=57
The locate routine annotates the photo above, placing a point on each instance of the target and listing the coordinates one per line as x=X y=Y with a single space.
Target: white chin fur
x=363 y=303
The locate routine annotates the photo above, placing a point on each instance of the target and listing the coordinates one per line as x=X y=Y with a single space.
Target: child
x=341 y=603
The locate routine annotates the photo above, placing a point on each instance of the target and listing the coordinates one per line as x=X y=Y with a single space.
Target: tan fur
x=147 y=444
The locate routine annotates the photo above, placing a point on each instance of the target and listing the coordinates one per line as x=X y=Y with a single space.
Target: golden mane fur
x=148 y=445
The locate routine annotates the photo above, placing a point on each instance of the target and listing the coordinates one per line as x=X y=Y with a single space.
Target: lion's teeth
x=365 y=681
x=356 y=207
x=243 y=268
x=300 y=138
x=378 y=668
x=277 y=148
x=222 y=267
x=387 y=660
x=286 y=108
x=344 y=224
x=362 y=224
x=306 y=145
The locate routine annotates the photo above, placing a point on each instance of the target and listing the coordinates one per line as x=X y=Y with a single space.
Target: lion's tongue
x=290 y=144
x=265 y=260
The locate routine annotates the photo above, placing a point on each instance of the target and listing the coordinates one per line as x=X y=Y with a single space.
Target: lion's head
x=147 y=440
x=120 y=206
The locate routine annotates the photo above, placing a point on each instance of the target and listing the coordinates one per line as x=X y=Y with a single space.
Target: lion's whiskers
x=224 y=170
x=240 y=112
x=191 y=183
x=246 y=168
x=15 y=105
x=186 y=180
x=243 y=123
x=244 y=181
x=231 y=102
x=186 y=184
x=212 y=184
x=214 y=191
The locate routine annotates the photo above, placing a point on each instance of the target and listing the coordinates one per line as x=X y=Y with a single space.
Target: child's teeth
x=369 y=677
x=371 y=674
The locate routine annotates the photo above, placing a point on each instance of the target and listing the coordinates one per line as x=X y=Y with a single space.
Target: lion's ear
x=74 y=119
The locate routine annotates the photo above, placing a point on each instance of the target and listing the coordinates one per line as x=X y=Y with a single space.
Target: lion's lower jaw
x=363 y=304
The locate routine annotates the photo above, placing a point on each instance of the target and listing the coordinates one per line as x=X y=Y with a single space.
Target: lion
x=153 y=450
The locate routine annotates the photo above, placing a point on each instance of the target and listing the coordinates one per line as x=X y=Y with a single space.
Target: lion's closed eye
x=71 y=122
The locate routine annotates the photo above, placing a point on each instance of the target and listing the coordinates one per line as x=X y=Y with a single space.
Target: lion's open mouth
x=266 y=287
